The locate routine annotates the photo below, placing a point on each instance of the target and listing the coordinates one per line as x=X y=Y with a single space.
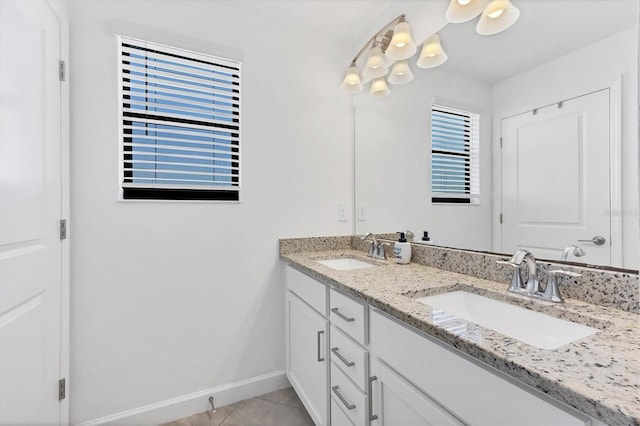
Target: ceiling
x=546 y=29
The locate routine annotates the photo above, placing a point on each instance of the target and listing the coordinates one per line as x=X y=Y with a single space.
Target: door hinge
x=500 y=142
x=62 y=389
x=62 y=71
x=63 y=229
x=500 y=218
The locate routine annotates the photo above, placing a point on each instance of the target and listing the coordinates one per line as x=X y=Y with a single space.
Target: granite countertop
x=598 y=375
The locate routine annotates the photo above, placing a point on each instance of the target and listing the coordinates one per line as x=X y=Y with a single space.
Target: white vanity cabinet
x=307 y=363
x=434 y=376
x=353 y=365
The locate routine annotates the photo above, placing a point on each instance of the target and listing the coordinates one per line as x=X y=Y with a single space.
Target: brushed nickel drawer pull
x=372 y=416
x=347 y=319
x=344 y=401
x=320 y=358
x=341 y=358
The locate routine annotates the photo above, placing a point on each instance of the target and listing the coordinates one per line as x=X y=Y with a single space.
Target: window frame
x=178 y=193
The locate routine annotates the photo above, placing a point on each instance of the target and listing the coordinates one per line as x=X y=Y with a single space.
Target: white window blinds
x=455 y=175
x=180 y=123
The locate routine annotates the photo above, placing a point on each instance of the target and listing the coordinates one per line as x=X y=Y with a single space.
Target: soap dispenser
x=402 y=250
x=425 y=238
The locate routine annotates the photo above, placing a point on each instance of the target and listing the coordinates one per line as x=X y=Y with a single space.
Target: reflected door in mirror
x=555 y=179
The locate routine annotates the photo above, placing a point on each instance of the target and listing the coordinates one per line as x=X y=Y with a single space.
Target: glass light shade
x=464 y=10
x=379 y=88
x=376 y=66
x=400 y=73
x=352 y=83
x=497 y=16
x=401 y=45
x=432 y=53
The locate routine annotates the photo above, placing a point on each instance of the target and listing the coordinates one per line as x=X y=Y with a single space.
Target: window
x=455 y=176
x=180 y=124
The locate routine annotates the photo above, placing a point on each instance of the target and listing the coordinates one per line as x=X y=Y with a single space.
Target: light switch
x=362 y=213
x=342 y=213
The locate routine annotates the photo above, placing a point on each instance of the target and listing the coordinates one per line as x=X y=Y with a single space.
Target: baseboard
x=197 y=402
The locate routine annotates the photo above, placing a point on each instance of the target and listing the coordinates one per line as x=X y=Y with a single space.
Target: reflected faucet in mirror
x=572 y=250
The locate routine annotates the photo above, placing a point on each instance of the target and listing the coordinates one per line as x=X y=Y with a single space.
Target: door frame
x=615 y=164
x=59 y=10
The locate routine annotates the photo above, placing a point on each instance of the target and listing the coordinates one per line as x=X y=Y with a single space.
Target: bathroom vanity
x=362 y=350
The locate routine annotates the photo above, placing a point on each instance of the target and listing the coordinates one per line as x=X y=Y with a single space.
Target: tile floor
x=279 y=408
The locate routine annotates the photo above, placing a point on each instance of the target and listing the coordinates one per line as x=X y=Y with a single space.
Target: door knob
x=597 y=240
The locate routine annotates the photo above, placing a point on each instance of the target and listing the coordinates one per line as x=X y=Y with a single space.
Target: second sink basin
x=346 y=264
x=533 y=328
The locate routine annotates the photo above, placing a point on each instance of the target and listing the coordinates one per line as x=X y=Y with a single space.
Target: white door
x=397 y=402
x=555 y=179
x=30 y=209
x=307 y=358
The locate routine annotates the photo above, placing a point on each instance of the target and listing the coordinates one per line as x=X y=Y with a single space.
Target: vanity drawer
x=338 y=416
x=352 y=359
x=352 y=401
x=349 y=316
x=313 y=292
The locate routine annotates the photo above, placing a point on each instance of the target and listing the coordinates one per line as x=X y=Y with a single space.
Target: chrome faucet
x=533 y=284
x=373 y=243
x=376 y=247
x=532 y=289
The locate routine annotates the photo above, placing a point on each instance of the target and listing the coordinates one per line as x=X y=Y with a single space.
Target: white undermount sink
x=533 y=328
x=346 y=264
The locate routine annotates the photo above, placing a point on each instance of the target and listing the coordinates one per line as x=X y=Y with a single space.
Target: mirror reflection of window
x=455 y=156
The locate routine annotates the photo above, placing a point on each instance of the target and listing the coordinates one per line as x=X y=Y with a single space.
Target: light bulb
x=497 y=13
x=464 y=2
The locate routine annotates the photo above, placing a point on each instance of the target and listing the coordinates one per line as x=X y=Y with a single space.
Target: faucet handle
x=516 y=281
x=552 y=290
x=381 y=253
x=565 y=273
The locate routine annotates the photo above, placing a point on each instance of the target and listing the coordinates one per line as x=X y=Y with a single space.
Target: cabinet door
x=398 y=402
x=307 y=358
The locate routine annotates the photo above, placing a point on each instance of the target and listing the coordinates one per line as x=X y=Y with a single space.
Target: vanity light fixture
x=376 y=65
x=497 y=16
x=393 y=45
x=352 y=83
x=464 y=10
x=400 y=73
x=379 y=88
x=401 y=45
x=432 y=54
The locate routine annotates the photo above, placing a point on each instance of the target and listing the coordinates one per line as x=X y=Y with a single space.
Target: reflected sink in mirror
x=346 y=264
x=533 y=328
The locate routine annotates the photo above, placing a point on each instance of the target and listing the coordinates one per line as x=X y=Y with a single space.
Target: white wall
x=173 y=298
x=393 y=163
x=586 y=70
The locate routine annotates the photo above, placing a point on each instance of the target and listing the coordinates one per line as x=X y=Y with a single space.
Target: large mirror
x=560 y=88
